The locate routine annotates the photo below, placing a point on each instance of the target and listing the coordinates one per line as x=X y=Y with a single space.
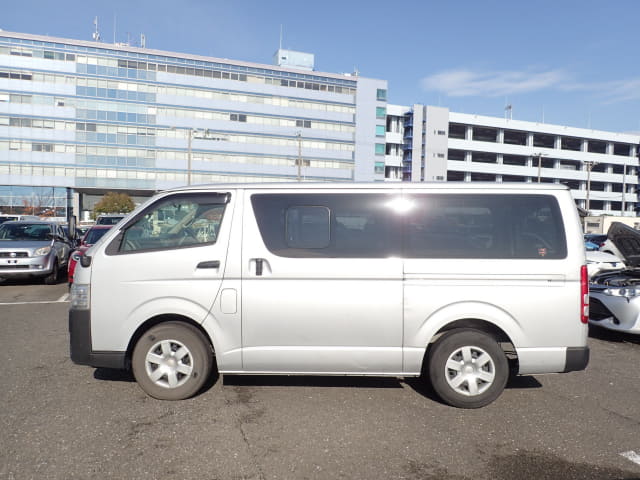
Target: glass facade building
x=88 y=117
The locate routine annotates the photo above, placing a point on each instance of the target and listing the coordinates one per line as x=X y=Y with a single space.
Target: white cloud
x=466 y=83
x=621 y=90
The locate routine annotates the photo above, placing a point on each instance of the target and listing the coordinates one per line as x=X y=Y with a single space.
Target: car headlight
x=41 y=252
x=79 y=296
x=627 y=292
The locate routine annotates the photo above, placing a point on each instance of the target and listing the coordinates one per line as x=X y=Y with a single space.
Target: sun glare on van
x=400 y=205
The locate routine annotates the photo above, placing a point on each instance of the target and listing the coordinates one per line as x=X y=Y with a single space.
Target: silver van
x=463 y=284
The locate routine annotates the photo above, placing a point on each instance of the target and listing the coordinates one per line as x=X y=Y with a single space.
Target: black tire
x=162 y=374
x=468 y=384
x=52 y=278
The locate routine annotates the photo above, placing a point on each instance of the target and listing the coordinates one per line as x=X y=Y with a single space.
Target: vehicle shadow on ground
x=311 y=381
x=112 y=375
x=515 y=382
x=31 y=281
x=612 y=336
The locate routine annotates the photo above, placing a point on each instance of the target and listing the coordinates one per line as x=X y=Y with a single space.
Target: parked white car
x=602 y=262
x=615 y=295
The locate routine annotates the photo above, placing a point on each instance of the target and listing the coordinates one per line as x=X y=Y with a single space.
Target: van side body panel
x=129 y=289
x=268 y=311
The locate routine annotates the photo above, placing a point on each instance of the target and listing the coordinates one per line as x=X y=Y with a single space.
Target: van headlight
x=627 y=292
x=79 y=296
x=41 y=252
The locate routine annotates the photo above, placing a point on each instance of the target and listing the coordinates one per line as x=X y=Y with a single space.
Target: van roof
x=483 y=186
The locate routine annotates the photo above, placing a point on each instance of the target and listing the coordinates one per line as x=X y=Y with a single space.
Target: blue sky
x=568 y=62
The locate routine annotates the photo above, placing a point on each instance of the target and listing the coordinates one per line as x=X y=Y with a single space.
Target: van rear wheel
x=172 y=361
x=467 y=368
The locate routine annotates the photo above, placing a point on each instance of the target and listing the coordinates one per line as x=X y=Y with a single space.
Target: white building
x=600 y=168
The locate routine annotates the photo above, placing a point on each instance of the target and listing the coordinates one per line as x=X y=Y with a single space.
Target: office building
x=79 y=119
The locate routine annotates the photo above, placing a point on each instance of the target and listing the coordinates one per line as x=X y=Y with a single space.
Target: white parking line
x=631 y=455
x=64 y=298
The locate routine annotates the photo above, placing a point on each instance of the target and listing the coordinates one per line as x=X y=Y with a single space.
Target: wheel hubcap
x=169 y=363
x=470 y=371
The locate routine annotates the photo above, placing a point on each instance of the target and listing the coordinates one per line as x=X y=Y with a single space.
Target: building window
x=380 y=130
x=381 y=112
x=380 y=149
x=235 y=117
x=303 y=123
x=457 y=131
x=381 y=94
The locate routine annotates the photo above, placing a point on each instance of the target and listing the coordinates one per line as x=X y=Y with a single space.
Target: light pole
x=299 y=159
x=589 y=164
x=624 y=186
x=191 y=133
x=201 y=133
x=540 y=155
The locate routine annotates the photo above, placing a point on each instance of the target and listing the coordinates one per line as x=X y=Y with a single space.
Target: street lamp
x=624 y=186
x=589 y=164
x=540 y=155
x=299 y=159
x=199 y=133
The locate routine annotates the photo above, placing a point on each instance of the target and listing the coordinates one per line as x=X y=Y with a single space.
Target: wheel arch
x=157 y=320
x=480 y=316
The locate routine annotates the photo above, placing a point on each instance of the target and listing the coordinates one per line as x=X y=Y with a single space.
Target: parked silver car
x=33 y=249
x=615 y=296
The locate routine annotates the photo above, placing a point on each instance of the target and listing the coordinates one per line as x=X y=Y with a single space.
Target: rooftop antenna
x=280 y=47
x=96 y=33
x=143 y=40
x=508 y=110
x=114 y=28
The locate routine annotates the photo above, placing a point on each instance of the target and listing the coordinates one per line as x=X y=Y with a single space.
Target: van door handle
x=209 y=264
x=259 y=262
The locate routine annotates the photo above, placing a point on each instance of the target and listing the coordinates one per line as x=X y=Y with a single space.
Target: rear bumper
x=577 y=359
x=533 y=361
x=80 y=344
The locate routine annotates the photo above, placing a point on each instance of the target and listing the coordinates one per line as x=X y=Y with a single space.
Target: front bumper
x=81 y=347
x=21 y=267
x=614 y=313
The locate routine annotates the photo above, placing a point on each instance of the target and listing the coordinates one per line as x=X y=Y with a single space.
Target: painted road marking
x=631 y=455
x=64 y=298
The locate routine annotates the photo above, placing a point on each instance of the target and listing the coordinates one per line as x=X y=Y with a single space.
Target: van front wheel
x=172 y=361
x=467 y=368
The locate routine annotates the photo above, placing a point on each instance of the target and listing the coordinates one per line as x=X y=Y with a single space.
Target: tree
x=114 y=202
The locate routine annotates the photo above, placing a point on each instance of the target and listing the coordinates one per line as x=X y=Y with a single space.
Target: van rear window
x=427 y=226
x=484 y=226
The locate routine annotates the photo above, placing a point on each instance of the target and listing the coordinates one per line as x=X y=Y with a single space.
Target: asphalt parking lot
x=63 y=421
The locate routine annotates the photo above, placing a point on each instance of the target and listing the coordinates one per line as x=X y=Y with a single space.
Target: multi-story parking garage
x=427 y=143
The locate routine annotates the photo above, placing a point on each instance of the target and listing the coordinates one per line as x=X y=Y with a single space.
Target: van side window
x=338 y=225
x=175 y=222
x=485 y=226
x=307 y=227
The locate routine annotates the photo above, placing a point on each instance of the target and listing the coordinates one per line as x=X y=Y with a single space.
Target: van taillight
x=584 y=294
